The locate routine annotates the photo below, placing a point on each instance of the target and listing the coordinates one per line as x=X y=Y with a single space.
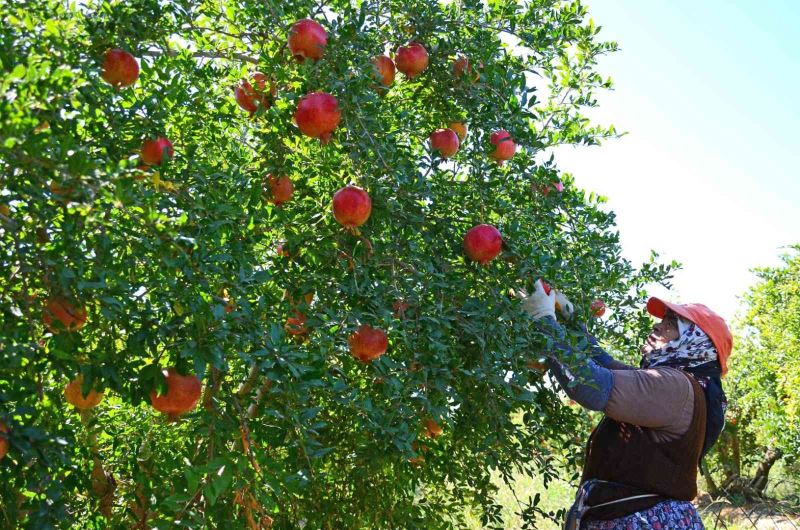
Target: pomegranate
x=74 y=394
x=431 y=429
x=280 y=250
x=483 y=243
x=368 y=343
x=182 y=395
x=153 y=151
x=462 y=66
x=120 y=68
x=460 y=129
x=351 y=206
x=411 y=59
x=556 y=186
x=317 y=115
x=296 y=325
x=252 y=96
x=400 y=307
x=281 y=189
x=598 y=308
x=3 y=440
x=384 y=70
x=61 y=315
x=307 y=40
x=445 y=141
x=504 y=145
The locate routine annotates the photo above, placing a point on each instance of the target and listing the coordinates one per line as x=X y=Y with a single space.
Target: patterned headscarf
x=695 y=353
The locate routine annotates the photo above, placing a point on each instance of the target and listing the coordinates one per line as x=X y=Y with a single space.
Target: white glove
x=563 y=305
x=538 y=304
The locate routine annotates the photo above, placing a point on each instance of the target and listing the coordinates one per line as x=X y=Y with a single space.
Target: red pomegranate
x=120 y=68
x=317 y=115
x=483 y=243
x=74 y=394
x=431 y=429
x=445 y=141
x=3 y=440
x=296 y=325
x=368 y=343
x=598 y=308
x=154 y=150
x=281 y=189
x=61 y=315
x=307 y=40
x=460 y=129
x=182 y=395
x=384 y=70
x=462 y=65
x=411 y=59
x=504 y=146
x=351 y=206
x=252 y=96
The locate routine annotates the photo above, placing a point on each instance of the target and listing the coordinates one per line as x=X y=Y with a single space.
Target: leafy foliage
x=177 y=265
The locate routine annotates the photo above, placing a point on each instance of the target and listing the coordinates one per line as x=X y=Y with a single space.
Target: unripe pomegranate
x=120 y=68
x=504 y=145
x=445 y=141
x=3 y=440
x=182 y=395
x=154 y=150
x=74 y=394
x=483 y=243
x=317 y=115
x=431 y=429
x=411 y=59
x=351 y=206
x=252 y=96
x=384 y=70
x=61 y=315
x=368 y=343
x=307 y=40
x=598 y=308
x=281 y=189
x=460 y=129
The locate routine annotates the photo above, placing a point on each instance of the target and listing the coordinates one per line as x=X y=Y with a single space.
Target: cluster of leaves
x=181 y=269
x=764 y=411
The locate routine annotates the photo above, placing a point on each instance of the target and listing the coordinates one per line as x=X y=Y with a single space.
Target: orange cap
x=711 y=323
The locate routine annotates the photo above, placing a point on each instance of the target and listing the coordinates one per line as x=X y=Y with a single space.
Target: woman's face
x=663 y=332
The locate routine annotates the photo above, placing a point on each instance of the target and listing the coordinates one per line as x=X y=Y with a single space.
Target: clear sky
x=709 y=172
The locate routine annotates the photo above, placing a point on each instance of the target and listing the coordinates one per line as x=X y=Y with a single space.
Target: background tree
x=763 y=425
x=148 y=223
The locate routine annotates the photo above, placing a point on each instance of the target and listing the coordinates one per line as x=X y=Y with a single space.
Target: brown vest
x=628 y=454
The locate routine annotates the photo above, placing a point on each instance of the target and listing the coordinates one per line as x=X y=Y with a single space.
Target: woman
x=660 y=419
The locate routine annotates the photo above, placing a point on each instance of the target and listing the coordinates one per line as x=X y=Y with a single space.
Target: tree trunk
x=759 y=482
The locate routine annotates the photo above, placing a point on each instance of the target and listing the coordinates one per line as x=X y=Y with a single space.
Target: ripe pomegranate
x=483 y=243
x=154 y=150
x=317 y=115
x=61 y=315
x=445 y=141
x=598 y=308
x=281 y=189
x=431 y=429
x=460 y=129
x=411 y=59
x=75 y=397
x=252 y=96
x=307 y=40
x=3 y=440
x=368 y=343
x=351 y=206
x=504 y=145
x=120 y=68
x=384 y=70
x=296 y=325
x=182 y=395
x=462 y=65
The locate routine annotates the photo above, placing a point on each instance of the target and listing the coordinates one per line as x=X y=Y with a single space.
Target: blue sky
x=708 y=174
